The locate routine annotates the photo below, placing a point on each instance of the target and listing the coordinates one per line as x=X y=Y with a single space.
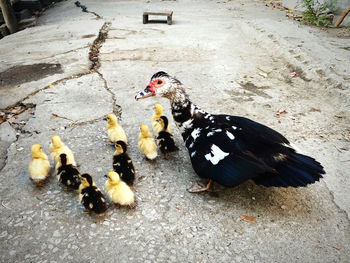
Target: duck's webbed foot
x=197 y=188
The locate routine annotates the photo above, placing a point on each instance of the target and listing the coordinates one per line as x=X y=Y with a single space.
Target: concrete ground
x=234 y=57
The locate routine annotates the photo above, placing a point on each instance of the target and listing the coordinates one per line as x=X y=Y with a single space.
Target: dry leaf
x=281 y=111
x=249 y=219
x=337 y=248
x=12 y=119
x=263 y=74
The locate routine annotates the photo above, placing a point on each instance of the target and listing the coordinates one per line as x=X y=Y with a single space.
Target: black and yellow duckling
x=122 y=163
x=165 y=139
x=90 y=196
x=67 y=174
x=158 y=112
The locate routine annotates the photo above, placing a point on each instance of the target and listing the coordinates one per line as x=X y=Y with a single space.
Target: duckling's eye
x=159 y=82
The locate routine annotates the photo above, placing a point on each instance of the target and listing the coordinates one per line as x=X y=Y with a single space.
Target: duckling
x=146 y=143
x=39 y=166
x=165 y=139
x=67 y=174
x=57 y=147
x=118 y=191
x=122 y=163
x=158 y=111
x=90 y=196
x=114 y=130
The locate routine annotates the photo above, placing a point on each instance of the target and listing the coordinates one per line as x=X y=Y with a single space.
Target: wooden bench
x=168 y=14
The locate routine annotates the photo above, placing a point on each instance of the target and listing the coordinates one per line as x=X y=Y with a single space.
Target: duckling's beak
x=105 y=175
x=148 y=92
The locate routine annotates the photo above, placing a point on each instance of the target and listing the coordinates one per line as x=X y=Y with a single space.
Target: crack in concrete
x=44 y=88
x=97 y=44
x=117 y=109
x=84 y=9
x=95 y=65
x=343 y=211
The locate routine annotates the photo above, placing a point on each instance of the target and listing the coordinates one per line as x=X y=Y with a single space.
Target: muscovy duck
x=231 y=149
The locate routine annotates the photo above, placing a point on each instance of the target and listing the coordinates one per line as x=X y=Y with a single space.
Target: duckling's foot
x=166 y=156
x=117 y=206
x=132 y=206
x=197 y=188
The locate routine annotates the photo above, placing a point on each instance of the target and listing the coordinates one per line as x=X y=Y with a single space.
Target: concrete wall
x=296 y=4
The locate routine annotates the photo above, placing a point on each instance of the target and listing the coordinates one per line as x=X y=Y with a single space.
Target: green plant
x=319 y=14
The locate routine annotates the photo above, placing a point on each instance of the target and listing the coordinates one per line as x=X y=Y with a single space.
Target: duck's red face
x=159 y=85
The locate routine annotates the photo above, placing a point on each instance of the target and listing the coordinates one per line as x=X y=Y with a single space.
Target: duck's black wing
x=231 y=150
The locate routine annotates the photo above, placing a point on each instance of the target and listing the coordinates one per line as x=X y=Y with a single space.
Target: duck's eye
x=159 y=82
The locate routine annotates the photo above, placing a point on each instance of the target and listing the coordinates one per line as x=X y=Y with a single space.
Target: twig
x=340 y=20
x=328 y=139
x=268 y=72
x=62 y=117
x=2 y=203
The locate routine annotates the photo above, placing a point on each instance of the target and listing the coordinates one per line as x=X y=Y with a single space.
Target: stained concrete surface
x=233 y=57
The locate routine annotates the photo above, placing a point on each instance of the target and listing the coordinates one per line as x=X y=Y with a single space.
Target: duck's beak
x=148 y=92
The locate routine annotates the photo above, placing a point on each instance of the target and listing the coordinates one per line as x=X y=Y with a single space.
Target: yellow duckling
x=158 y=112
x=118 y=191
x=57 y=147
x=114 y=130
x=146 y=143
x=39 y=166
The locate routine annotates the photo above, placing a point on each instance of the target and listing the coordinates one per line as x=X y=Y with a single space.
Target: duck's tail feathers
x=152 y=156
x=295 y=170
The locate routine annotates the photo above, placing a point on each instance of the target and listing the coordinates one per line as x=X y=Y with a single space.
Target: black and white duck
x=231 y=149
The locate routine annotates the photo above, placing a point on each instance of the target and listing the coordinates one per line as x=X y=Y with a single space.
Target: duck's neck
x=186 y=114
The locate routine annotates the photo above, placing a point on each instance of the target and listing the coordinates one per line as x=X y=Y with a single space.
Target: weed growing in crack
x=319 y=14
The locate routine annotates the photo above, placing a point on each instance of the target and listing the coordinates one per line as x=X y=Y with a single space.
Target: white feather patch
x=210 y=134
x=196 y=132
x=193 y=153
x=234 y=127
x=216 y=155
x=230 y=135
